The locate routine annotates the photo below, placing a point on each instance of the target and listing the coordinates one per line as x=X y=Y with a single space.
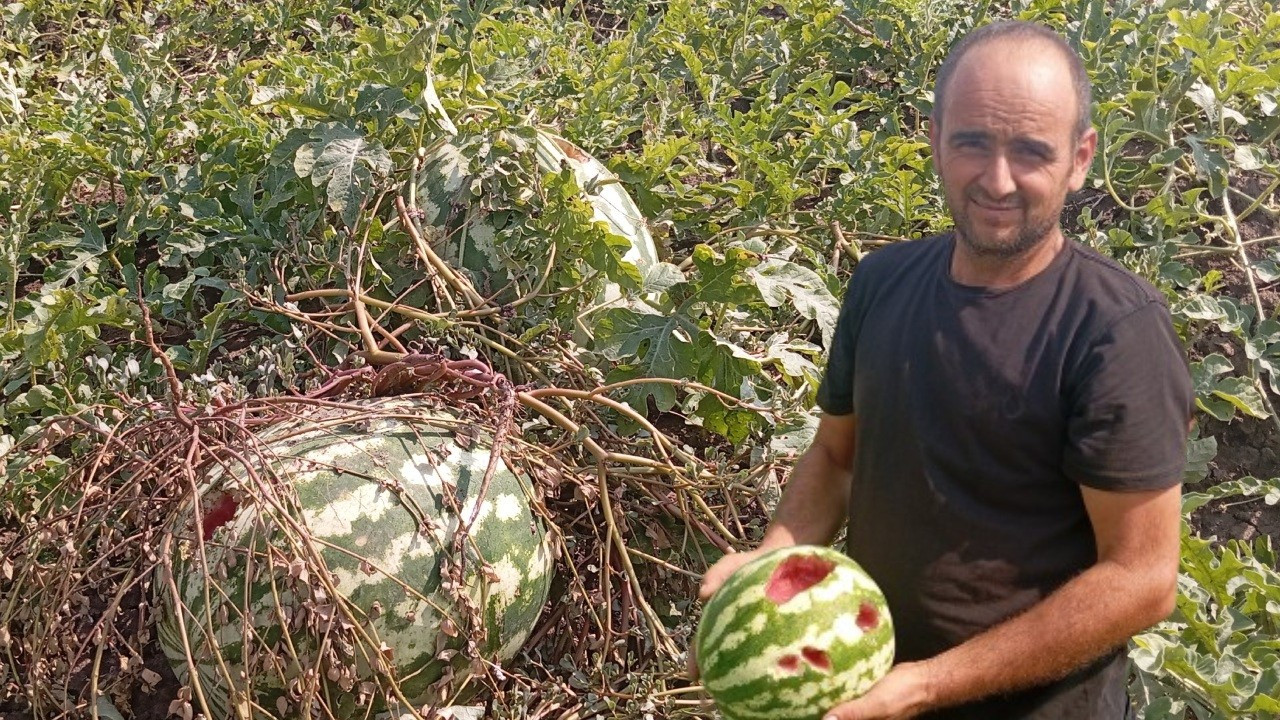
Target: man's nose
x=997 y=178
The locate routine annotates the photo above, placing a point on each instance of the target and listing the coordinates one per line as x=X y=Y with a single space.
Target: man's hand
x=904 y=693
x=724 y=567
x=711 y=582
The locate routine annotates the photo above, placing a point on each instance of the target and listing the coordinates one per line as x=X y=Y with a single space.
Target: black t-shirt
x=980 y=412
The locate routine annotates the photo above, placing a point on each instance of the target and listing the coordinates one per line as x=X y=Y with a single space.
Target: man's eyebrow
x=968 y=136
x=1038 y=147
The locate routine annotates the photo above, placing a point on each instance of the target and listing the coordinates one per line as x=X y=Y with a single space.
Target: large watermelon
x=792 y=634
x=383 y=498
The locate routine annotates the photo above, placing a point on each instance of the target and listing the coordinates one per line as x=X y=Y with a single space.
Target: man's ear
x=1086 y=146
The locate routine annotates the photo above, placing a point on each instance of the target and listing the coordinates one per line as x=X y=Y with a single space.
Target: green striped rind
x=343 y=478
x=743 y=636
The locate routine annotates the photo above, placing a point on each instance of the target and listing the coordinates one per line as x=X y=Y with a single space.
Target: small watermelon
x=382 y=499
x=792 y=634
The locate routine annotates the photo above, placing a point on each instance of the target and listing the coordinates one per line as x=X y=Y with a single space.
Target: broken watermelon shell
x=792 y=634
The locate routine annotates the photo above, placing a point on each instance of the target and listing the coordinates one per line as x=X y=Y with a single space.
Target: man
x=1005 y=417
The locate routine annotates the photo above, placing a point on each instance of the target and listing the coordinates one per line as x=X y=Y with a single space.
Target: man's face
x=1006 y=150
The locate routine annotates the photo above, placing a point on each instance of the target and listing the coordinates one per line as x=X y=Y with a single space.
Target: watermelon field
x=550 y=286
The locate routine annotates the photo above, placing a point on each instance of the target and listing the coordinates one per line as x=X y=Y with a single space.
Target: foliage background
x=208 y=159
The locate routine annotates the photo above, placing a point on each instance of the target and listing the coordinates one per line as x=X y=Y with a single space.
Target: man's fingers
x=856 y=710
x=718 y=573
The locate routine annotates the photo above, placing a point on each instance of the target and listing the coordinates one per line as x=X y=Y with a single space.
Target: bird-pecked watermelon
x=792 y=634
x=382 y=499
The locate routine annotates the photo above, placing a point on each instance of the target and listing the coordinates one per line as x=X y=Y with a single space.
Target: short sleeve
x=1129 y=405
x=835 y=393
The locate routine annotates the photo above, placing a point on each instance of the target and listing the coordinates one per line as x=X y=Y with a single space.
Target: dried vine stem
x=434 y=261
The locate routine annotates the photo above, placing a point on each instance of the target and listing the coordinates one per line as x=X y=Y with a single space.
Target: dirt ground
x=1245 y=447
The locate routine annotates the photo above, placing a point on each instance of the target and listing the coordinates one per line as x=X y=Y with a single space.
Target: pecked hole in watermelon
x=795 y=575
x=220 y=514
x=789 y=663
x=817 y=658
x=868 y=616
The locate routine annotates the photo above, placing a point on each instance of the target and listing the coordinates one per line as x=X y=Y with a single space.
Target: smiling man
x=1005 y=417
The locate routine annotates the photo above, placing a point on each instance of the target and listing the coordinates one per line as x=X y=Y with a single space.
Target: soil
x=1246 y=446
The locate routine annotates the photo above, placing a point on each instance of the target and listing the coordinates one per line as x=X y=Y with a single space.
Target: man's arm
x=814 y=503
x=1131 y=587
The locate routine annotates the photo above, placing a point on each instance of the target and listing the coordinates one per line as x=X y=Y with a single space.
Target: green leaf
x=346 y=164
x=1251 y=157
x=794 y=435
x=660 y=277
x=1200 y=452
x=435 y=109
x=1217 y=407
x=1201 y=307
x=208 y=337
x=79 y=261
x=1244 y=395
x=720 y=278
x=734 y=424
x=1268 y=271
x=1179 y=274
x=781 y=283
x=1210 y=164
x=1204 y=373
x=663 y=342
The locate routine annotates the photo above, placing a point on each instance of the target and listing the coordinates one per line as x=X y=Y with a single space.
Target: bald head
x=1029 y=40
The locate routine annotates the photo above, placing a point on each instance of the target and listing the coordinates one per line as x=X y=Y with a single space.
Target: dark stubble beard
x=1030 y=235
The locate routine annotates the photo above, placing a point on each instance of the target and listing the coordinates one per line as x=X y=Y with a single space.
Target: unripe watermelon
x=792 y=634
x=382 y=499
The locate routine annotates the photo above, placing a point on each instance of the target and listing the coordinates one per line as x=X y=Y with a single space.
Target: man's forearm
x=1084 y=619
x=814 y=504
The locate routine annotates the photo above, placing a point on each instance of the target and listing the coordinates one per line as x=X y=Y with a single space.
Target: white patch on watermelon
x=419 y=470
x=484 y=240
x=748 y=599
x=806 y=701
x=507 y=507
x=507 y=585
x=366 y=504
x=336 y=450
x=737 y=637
x=451 y=165
x=540 y=564
x=512 y=646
